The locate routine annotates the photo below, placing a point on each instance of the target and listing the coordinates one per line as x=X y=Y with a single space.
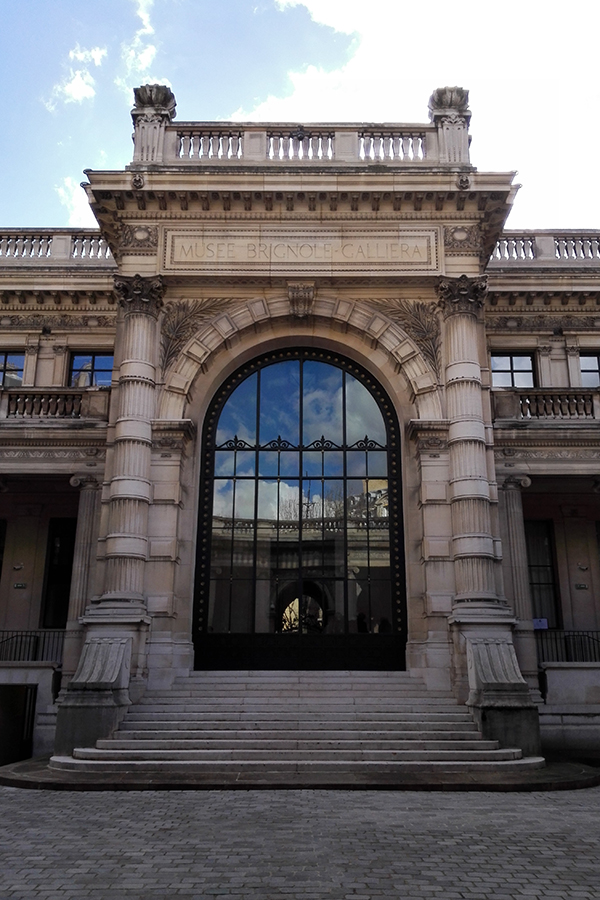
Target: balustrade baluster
x=579 y=405
x=588 y=406
x=186 y=142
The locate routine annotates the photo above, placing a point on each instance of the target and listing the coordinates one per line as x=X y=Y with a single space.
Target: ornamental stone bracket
x=301 y=295
x=461 y=295
x=172 y=435
x=430 y=437
x=140 y=295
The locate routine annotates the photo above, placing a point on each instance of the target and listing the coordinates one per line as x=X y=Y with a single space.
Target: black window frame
x=94 y=354
x=512 y=370
x=4 y=362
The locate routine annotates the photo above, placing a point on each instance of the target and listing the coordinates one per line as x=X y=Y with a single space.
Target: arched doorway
x=300 y=549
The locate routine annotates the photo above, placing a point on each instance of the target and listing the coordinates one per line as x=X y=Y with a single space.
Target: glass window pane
x=501 y=379
x=356 y=462
x=224 y=462
x=333 y=462
x=238 y=417
x=501 y=363
x=279 y=402
x=312 y=463
x=377 y=463
x=245 y=461
x=321 y=402
x=267 y=500
x=103 y=363
x=590 y=379
x=289 y=500
x=288 y=463
x=268 y=463
x=244 y=499
x=523 y=379
x=589 y=363
x=223 y=497
x=522 y=363
x=363 y=416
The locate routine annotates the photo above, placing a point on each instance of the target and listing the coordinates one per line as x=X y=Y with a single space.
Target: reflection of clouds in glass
x=363 y=416
x=279 y=402
x=223 y=499
x=322 y=402
x=238 y=416
x=288 y=500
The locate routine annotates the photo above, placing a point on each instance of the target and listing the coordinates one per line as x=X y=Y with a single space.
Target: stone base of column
x=509 y=725
x=87 y=716
x=526 y=650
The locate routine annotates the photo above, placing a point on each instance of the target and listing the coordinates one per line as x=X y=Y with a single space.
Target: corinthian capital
x=137 y=294
x=461 y=295
x=153 y=103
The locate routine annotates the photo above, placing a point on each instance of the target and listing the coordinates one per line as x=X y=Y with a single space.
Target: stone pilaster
x=85 y=548
x=449 y=111
x=154 y=109
x=515 y=553
x=130 y=488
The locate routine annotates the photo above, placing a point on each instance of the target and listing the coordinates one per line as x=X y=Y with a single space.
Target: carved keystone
x=302 y=297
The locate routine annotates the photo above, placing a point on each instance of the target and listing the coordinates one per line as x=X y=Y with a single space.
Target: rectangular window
x=590 y=370
x=512 y=370
x=91 y=370
x=539 y=537
x=11 y=369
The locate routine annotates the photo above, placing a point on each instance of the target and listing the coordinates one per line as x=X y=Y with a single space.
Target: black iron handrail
x=43 y=645
x=558 y=645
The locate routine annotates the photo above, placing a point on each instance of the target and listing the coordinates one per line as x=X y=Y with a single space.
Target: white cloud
x=78 y=85
x=532 y=80
x=95 y=55
x=138 y=55
x=73 y=196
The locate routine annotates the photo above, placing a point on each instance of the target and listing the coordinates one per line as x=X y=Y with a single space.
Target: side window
x=11 y=369
x=512 y=370
x=590 y=369
x=91 y=370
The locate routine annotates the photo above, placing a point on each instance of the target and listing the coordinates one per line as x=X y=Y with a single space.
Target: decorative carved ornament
x=554 y=324
x=461 y=295
x=459 y=239
x=35 y=321
x=516 y=482
x=85 y=482
x=445 y=99
x=420 y=321
x=182 y=319
x=302 y=297
x=140 y=295
x=153 y=103
x=551 y=453
x=139 y=239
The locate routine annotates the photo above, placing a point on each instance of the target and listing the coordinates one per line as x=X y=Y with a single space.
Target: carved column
x=127 y=539
x=516 y=554
x=85 y=548
x=461 y=300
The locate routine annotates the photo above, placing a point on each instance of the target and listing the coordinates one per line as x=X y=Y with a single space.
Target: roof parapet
x=157 y=141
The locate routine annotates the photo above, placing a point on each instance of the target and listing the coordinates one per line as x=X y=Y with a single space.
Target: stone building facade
x=300 y=401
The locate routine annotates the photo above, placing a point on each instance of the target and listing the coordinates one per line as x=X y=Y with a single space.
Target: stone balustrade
x=27 y=403
x=57 y=246
x=546 y=248
x=218 y=143
x=547 y=404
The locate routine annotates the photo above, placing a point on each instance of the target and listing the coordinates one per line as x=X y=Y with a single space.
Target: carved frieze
x=462 y=239
x=141 y=240
x=182 y=319
x=553 y=324
x=461 y=295
x=36 y=321
x=140 y=295
x=547 y=453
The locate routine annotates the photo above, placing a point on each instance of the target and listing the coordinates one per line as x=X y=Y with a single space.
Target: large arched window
x=300 y=515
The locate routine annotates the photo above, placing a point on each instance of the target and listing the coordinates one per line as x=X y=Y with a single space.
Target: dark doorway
x=59 y=565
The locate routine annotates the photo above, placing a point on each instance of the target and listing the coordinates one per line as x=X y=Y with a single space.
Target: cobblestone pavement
x=299 y=844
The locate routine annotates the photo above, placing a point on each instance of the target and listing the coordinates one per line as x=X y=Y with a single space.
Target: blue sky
x=69 y=69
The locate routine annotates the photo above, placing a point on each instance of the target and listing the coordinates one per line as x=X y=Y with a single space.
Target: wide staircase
x=296 y=727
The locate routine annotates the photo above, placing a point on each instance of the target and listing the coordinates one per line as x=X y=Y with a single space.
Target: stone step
x=293 y=734
x=275 y=708
x=302 y=744
x=310 y=724
x=275 y=757
x=415 y=716
x=259 y=691
x=305 y=772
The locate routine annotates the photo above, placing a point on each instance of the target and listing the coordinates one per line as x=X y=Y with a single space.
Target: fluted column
x=473 y=544
x=127 y=538
x=516 y=556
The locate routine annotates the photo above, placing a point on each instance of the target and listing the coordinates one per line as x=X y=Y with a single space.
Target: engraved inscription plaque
x=277 y=251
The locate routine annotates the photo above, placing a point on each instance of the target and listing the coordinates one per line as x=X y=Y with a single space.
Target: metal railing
x=44 y=645
x=556 y=645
